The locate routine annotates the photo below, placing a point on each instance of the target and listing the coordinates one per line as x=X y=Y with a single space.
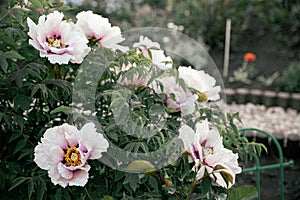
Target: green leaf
x=2 y=179
x=37 y=3
x=38 y=67
x=41 y=190
x=42 y=88
x=64 y=8
x=20 y=121
x=18 y=77
x=14 y=136
x=243 y=193
x=30 y=188
x=22 y=101
x=133 y=180
x=205 y=185
x=19 y=146
x=16 y=14
x=33 y=73
x=18 y=181
x=64 y=109
x=25 y=152
x=13 y=55
x=153 y=182
x=66 y=195
x=108 y=198
x=65 y=85
x=3 y=64
x=58 y=194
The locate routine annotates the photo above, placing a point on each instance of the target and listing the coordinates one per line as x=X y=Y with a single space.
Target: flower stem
x=193 y=186
x=166 y=183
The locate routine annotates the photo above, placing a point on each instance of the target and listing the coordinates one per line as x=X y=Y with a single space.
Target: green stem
x=193 y=186
x=165 y=183
x=88 y=194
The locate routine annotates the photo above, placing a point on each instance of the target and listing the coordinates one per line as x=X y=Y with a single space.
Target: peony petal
x=145 y=42
x=200 y=81
x=200 y=173
x=56 y=178
x=56 y=154
x=98 y=27
x=64 y=172
x=71 y=134
x=94 y=142
x=187 y=135
x=202 y=129
x=224 y=178
x=53 y=136
x=80 y=177
x=214 y=139
x=40 y=157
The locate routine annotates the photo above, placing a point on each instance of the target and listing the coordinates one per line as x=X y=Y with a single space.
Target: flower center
x=55 y=41
x=207 y=151
x=72 y=157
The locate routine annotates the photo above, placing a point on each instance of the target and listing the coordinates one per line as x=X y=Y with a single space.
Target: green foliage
x=243 y=193
x=208 y=19
x=290 y=80
x=282 y=17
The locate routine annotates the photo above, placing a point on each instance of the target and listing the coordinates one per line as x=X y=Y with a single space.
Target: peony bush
x=84 y=116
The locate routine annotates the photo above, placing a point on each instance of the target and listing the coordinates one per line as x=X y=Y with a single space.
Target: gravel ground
x=283 y=124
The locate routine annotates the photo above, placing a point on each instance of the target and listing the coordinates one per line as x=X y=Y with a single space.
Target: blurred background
x=269 y=29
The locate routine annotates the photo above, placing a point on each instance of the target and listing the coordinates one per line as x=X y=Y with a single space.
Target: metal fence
x=280 y=165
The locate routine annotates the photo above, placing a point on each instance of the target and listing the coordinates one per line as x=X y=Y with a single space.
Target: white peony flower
x=64 y=152
x=58 y=40
x=176 y=97
x=209 y=154
x=203 y=83
x=98 y=28
x=159 y=59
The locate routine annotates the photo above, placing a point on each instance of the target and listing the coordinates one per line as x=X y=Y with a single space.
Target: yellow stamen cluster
x=208 y=151
x=56 y=42
x=72 y=157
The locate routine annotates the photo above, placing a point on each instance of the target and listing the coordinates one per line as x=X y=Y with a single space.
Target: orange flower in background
x=249 y=57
